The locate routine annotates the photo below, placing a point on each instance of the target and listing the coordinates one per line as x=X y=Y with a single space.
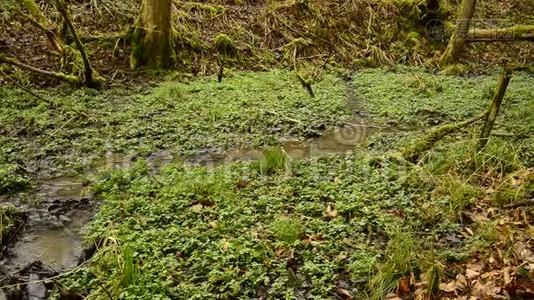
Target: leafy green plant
x=10 y=179
x=10 y=218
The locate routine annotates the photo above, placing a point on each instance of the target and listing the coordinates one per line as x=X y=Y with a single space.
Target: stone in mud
x=37 y=290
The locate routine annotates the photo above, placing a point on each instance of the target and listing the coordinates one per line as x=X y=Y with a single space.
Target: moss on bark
x=152 y=36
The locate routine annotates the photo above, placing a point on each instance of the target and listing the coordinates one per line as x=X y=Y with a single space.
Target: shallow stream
x=59 y=208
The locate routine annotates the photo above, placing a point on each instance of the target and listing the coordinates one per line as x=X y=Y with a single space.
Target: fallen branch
x=521 y=203
x=22 y=87
x=52 y=37
x=514 y=33
x=413 y=151
x=38 y=19
x=58 y=75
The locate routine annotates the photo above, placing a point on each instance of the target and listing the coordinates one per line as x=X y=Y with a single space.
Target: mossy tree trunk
x=37 y=18
x=514 y=33
x=152 y=36
x=457 y=42
x=494 y=107
x=88 y=72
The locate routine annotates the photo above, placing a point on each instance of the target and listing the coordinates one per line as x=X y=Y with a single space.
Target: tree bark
x=493 y=109
x=152 y=40
x=456 y=45
x=515 y=33
x=413 y=152
x=88 y=70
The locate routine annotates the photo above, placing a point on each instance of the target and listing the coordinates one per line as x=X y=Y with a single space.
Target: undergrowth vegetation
x=284 y=33
x=224 y=190
x=359 y=224
x=10 y=219
x=314 y=229
x=75 y=128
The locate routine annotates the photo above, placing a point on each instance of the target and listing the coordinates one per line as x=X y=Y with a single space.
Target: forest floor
x=360 y=223
x=252 y=188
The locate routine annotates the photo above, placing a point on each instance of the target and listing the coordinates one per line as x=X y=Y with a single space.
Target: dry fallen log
x=514 y=33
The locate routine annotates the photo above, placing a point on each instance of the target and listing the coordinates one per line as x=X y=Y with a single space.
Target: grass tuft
x=273 y=160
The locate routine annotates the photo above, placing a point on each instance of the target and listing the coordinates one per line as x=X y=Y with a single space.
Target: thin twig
x=521 y=203
x=22 y=87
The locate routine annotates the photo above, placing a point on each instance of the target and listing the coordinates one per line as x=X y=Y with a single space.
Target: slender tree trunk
x=457 y=42
x=88 y=70
x=152 y=40
x=494 y=107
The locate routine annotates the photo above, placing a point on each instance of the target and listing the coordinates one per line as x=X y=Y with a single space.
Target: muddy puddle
x=51 y=241
x=340 y=140
x=59 y=208
x=57 y=247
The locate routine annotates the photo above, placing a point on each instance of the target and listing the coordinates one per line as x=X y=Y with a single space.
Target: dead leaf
x=506 y=276
x=392 y=297
x=403 y=287
x=461 y=281
x=485 y=291
x=469 y=231
x=331 y=213
x=448 y=287
x=523 y=252
x=494 y=273
x=225 y=244
x=197 y=208
x=344 y=294
x=477 y=266
x=471 y=274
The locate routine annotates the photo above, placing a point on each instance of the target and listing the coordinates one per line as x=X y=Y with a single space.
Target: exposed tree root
x=413 y=152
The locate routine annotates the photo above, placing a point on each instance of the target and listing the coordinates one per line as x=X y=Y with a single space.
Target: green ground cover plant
x=319 y=228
